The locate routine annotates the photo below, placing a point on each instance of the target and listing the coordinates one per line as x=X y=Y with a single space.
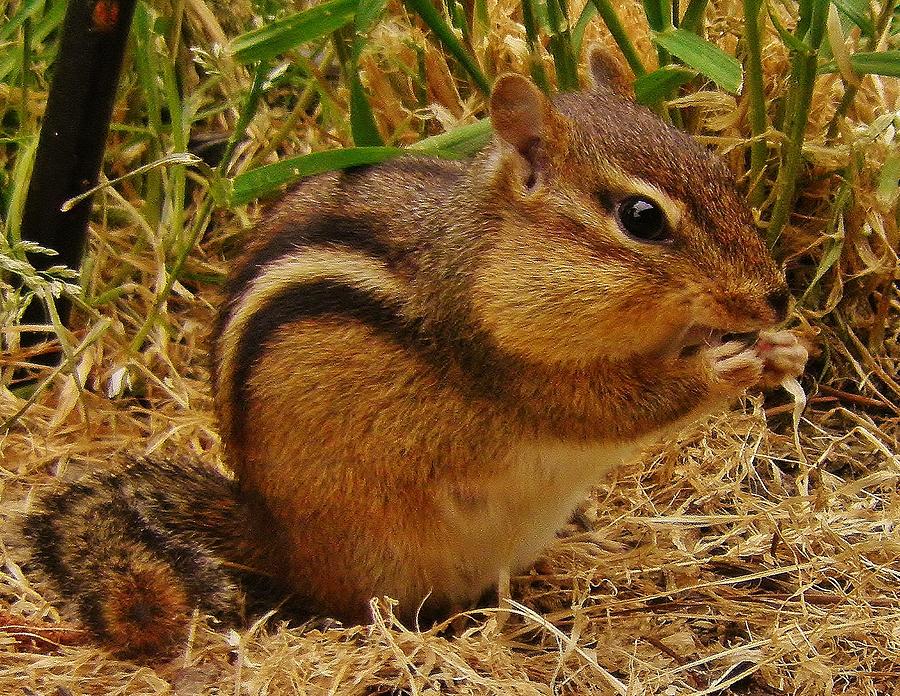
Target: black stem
x=73 y=135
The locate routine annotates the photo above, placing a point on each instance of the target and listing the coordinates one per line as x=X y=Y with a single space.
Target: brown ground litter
x=728 y=561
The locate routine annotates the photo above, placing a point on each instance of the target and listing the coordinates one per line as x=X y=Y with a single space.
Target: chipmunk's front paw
x=783 y=355
x=735 y=367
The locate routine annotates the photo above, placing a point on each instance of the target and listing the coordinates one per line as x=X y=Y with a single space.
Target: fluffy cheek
x=572 y=310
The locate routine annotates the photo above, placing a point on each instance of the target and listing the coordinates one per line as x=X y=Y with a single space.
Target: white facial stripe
x=621 y=184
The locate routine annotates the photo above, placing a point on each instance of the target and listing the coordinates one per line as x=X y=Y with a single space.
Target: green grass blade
x=368 y=12
x=757 y=99
x=889 y=11
x=40 y=30
x=362 y=121
x=658 y=85
x=885 y=63
x=179 y=131
x=459 y=142
x=561 y=46
x=704 y=57
x=458 y=19
x=245 y=116
x=426 y=10
x=145 y=64
x=833 y=249
x=857 y=11
x=623 y=41
x=25 y=74
x=284 y=34
x=835 y=233
x=587 y=14
x=19 y=178
x=693 y=15
x=482 y=16
x=265 y=180
x=18 y=19
x=533 y=39
x=256 y=183
x=888 y=190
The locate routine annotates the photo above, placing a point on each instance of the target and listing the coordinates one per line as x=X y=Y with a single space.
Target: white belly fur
x=512 y=517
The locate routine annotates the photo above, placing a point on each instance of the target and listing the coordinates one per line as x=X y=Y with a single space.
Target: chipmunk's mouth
x=698 y=336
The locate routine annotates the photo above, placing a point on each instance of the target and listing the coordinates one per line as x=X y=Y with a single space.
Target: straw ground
x=746 y=556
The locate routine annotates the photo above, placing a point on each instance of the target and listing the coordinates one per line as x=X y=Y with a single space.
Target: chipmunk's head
x=616 y=235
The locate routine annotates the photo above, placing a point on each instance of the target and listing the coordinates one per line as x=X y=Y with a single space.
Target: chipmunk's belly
x=505 y=522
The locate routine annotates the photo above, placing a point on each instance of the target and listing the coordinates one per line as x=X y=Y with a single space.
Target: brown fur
x=421 y=367
x=138 y=550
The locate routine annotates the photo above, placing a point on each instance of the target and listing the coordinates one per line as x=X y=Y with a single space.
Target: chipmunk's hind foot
x=132 y=552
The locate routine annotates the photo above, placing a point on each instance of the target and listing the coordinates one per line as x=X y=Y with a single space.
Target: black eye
x=642 y=219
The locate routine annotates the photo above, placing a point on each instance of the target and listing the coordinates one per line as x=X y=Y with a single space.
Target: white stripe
x=306 y=266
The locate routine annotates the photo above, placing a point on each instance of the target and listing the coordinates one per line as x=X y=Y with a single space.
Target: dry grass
x=728 y=561
x=724 y=558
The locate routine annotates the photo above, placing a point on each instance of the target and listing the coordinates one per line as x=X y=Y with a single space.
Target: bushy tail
x=138 y=550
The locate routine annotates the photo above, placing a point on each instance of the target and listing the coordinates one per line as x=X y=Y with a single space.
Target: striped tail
x=139 y=550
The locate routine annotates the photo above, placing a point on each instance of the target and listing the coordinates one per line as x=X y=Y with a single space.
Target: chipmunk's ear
x=525 y=118
x=606 y=73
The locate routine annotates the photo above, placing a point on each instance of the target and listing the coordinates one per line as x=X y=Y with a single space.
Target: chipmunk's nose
x=778 y=300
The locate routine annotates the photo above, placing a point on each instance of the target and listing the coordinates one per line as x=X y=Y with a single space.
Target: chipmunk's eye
x=642 y=219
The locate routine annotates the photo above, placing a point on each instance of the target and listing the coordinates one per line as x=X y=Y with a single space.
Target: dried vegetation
x=743 y=558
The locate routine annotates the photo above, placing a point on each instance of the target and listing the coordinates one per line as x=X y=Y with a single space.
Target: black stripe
x=352 y=234
x=483 y=372
x=46 y=539
x=316 y=299
x=334 y=232
x=186 y=554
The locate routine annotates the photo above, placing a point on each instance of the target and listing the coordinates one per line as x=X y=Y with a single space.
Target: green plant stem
x=881 y=23
x=561 y=46
x=756 y=99
x=659 y=17
x=614 y=24
x=807 y=40
x=246 y=115
x=803 y=74
x=693 y=15
x=201 y=220
x=532 y=38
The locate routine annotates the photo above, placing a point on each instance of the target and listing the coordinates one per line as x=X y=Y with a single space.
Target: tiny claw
x=783 y=354
x=735 y=366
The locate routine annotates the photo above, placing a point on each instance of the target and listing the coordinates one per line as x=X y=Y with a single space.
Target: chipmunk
x=421 y=367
